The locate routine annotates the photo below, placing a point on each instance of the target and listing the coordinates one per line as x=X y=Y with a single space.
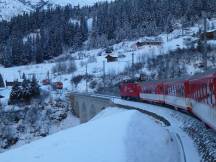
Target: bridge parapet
x=86 y=106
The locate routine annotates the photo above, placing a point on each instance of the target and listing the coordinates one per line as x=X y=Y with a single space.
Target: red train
x=196 y=95
x=46 y=82
x=57 y=85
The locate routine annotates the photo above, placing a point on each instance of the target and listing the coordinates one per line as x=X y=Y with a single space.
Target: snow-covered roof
x=111 y=55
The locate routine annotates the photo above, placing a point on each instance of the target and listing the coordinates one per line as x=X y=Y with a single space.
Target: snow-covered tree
x=1 y=81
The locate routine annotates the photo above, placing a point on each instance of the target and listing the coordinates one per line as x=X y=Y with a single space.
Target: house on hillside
x=210 y=35
x=146 y=42
x=111 y=58
x=109 y=50
x=11 y=84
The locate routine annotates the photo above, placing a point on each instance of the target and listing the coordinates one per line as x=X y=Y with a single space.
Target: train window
x=213 y=100
x=174 y=90
x=181 y=91
x=203 y=90
x=194 y=95
x=206 y=89
x=201 y=94
x=198 y=94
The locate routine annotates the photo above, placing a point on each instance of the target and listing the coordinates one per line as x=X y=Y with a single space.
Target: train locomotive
x=195 y=95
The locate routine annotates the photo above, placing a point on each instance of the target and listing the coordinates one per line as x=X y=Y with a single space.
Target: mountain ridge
x=11 y=8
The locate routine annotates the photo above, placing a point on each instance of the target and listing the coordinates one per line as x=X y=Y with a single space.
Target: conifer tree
x=1 y=81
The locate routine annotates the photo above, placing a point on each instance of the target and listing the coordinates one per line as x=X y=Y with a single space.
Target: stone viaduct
x=86 y=106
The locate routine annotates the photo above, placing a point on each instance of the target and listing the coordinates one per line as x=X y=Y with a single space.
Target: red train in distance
x=58 y=85
x=130 y=90
x=196 y=95
x=55 y=85
x=46 y=82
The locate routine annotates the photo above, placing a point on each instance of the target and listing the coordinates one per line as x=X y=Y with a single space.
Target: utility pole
x=20 y=74
x=133 y=66
x=48 y=75
x=205 y=64
x=104 y=74
x=86 y=78
x=182 y=29
x=167 y=33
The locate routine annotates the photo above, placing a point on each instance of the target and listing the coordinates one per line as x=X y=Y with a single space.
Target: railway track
x=177 y=140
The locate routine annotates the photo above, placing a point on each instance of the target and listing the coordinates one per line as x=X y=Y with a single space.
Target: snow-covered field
x=112 y=136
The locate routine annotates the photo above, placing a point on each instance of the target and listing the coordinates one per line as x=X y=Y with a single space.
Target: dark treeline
x=127 y=19
x=41 y=35
x=112 y=22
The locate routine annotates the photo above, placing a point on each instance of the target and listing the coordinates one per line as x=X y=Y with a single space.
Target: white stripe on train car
x=170 y=100
x=176 y=101
x=203 y=111
x=152 y=97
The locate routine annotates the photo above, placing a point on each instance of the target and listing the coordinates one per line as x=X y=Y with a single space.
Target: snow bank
x=107 y=112
x=191 y=150
x=147 y=141
x=120 y=137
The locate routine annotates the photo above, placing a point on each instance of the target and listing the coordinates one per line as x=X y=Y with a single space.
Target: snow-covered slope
x=10 y=8
x=120 y=137
x=74 y=2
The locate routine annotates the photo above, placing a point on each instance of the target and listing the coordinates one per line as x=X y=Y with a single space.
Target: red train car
x=130 y=90
x=46 y=82
x=57 y=85
x=196 y=94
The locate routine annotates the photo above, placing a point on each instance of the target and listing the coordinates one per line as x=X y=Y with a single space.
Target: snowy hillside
x=10 y=8
x=79 y=79
x=96 y=61
x=59 y=69
x=73 y=2
x=119 y=137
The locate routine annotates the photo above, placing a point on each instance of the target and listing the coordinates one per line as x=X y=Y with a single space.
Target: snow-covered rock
x=27 y=123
